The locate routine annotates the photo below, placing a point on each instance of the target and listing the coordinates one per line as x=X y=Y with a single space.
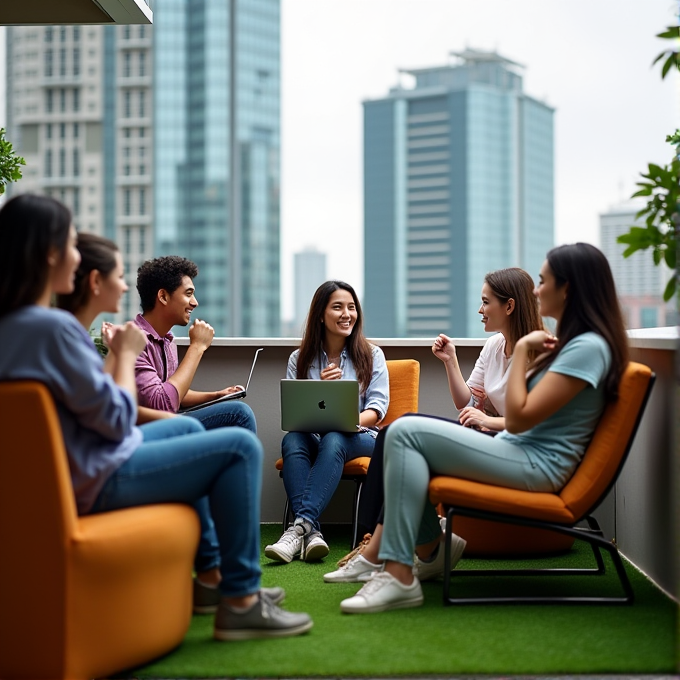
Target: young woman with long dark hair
x=550 y=417
x=333 y=348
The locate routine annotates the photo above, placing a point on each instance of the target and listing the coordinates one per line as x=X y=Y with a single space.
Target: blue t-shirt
x=556 y=445
x=97 y=417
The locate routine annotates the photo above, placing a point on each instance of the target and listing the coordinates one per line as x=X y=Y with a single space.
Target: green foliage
x=9 y=163
x=99 y=343
x=660 y=186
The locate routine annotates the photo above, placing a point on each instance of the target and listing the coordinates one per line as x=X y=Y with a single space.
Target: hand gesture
x=443 y=348
x=539 y=341
x=331 y=372
x=472 y=417
x=201 y=334
x=128 y=338
x=108 y=331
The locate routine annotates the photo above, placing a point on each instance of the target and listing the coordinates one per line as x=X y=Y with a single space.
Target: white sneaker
x=288 y=547
x=381 y=593
x=357 y=570
x=313 y=547
x=426 y=571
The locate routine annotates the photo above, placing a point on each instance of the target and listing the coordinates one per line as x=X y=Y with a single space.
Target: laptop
x=319 y=405
x=227 y=397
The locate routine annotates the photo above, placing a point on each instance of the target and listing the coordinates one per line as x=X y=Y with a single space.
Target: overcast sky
x=590 y=59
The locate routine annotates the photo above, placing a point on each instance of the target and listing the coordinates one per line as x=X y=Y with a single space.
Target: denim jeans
x=312 y=468
x=179 y=462
x=224 y=414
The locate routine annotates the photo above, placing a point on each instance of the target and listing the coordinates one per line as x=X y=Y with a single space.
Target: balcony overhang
x=47 y=12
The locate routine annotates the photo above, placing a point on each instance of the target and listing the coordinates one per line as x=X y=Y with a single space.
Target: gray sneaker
x=288 y=547
x=314 y=547
x=434 y=568
x=263 y=620
x=207 y=599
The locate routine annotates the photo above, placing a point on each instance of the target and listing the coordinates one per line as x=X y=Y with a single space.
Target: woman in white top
x=509 y=309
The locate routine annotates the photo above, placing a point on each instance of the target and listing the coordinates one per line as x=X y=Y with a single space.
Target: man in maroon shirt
x=166 y=289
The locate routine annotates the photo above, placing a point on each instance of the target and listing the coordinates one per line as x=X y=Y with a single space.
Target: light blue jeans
x=180 y=462
x=224 y=414
x=312 y=468
x=418 y=447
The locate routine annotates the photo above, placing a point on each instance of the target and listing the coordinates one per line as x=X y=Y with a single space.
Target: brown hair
x=358 y=348
x=516 y=284
x=591 y=305
x=96 y=253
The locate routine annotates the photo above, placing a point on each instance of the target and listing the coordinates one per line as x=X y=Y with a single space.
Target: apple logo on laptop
x=322 y=404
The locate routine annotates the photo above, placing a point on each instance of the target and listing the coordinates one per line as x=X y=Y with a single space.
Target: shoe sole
x=278 y=557
x=260 y=633
x=206 y=609
x=315 y=553
x=402 y=604
x=361 y=578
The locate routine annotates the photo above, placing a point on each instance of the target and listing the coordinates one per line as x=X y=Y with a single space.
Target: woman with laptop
x=508 y=309
x=333 y=348
x=551 y=413
x=114 y=464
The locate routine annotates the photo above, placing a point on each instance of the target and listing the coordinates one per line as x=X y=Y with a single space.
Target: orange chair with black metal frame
x=80 y=597
x=404 y=377
x=560 y=512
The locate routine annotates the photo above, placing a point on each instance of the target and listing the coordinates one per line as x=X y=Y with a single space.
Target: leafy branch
x=660 y=185
x=10 y=163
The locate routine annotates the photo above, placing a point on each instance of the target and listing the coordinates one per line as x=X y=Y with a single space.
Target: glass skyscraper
x=217 y=122
x=458 y=181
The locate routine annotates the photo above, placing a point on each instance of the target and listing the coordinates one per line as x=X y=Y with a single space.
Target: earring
x=96 y=291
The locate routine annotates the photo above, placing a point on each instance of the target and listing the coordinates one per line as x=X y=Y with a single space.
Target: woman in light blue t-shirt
x=550 y=416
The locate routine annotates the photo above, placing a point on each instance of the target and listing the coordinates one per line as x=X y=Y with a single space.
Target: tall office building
x=458 y=181
x=639 y=282
x=310 y=273
x=134 y=127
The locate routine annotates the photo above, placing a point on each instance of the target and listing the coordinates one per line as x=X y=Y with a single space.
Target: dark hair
x=517 y=284
x=358 y=348
x=162 y=273
x=30 y=227
x=591 y=304
x=96 y=253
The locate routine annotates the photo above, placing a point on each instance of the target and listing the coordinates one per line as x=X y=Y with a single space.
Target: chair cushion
x=404 y=382
x=464 y=492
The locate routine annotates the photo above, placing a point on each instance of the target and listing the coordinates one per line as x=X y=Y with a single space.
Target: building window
x=142 y=201
x=142 y=104
x=127 y=202
x=76 y=33
x=76 y=61
x=76 y=162
x=48 y=163
x=62 y=100
x=142 y=240
x=49 y=32
x=62 y=130
x=126 y=170
x=127 y=241
x=142 y=169
x=142 y=31
x=142 y=131
x=127 y=104
x=142 y=63
x=76 y=100
x=648 y=317
x=126 y=64
x=62 y=62
x=48 y=131
x=76 y=201
x=62 y=162
x=62 y=34
x=126 y=33
x=48 y=62
x=49 y=101
x=76 y=130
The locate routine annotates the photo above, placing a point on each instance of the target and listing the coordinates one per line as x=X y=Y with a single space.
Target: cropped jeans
x=223 y=414
x=179 y=462
x=312 y=468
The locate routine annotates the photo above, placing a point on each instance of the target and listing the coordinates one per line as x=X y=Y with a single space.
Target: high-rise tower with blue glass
x=217 y=141
x=458 y=181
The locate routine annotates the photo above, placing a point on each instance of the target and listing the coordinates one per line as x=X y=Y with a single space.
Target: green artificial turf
x=438 y=640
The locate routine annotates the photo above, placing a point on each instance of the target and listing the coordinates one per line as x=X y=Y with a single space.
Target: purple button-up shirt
x=157 y=362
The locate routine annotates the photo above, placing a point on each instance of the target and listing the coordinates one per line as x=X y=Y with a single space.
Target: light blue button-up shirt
x=377 y=394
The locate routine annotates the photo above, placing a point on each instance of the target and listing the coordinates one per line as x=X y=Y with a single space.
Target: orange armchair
x=80 y=597
x=404 y=376
x=557 y=512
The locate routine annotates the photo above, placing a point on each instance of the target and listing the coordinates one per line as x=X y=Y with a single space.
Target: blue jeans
x=312 y=468
x=224 y=414
x=179 y=462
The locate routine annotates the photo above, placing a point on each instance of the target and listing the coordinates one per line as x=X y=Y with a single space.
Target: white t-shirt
x=491 y=374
